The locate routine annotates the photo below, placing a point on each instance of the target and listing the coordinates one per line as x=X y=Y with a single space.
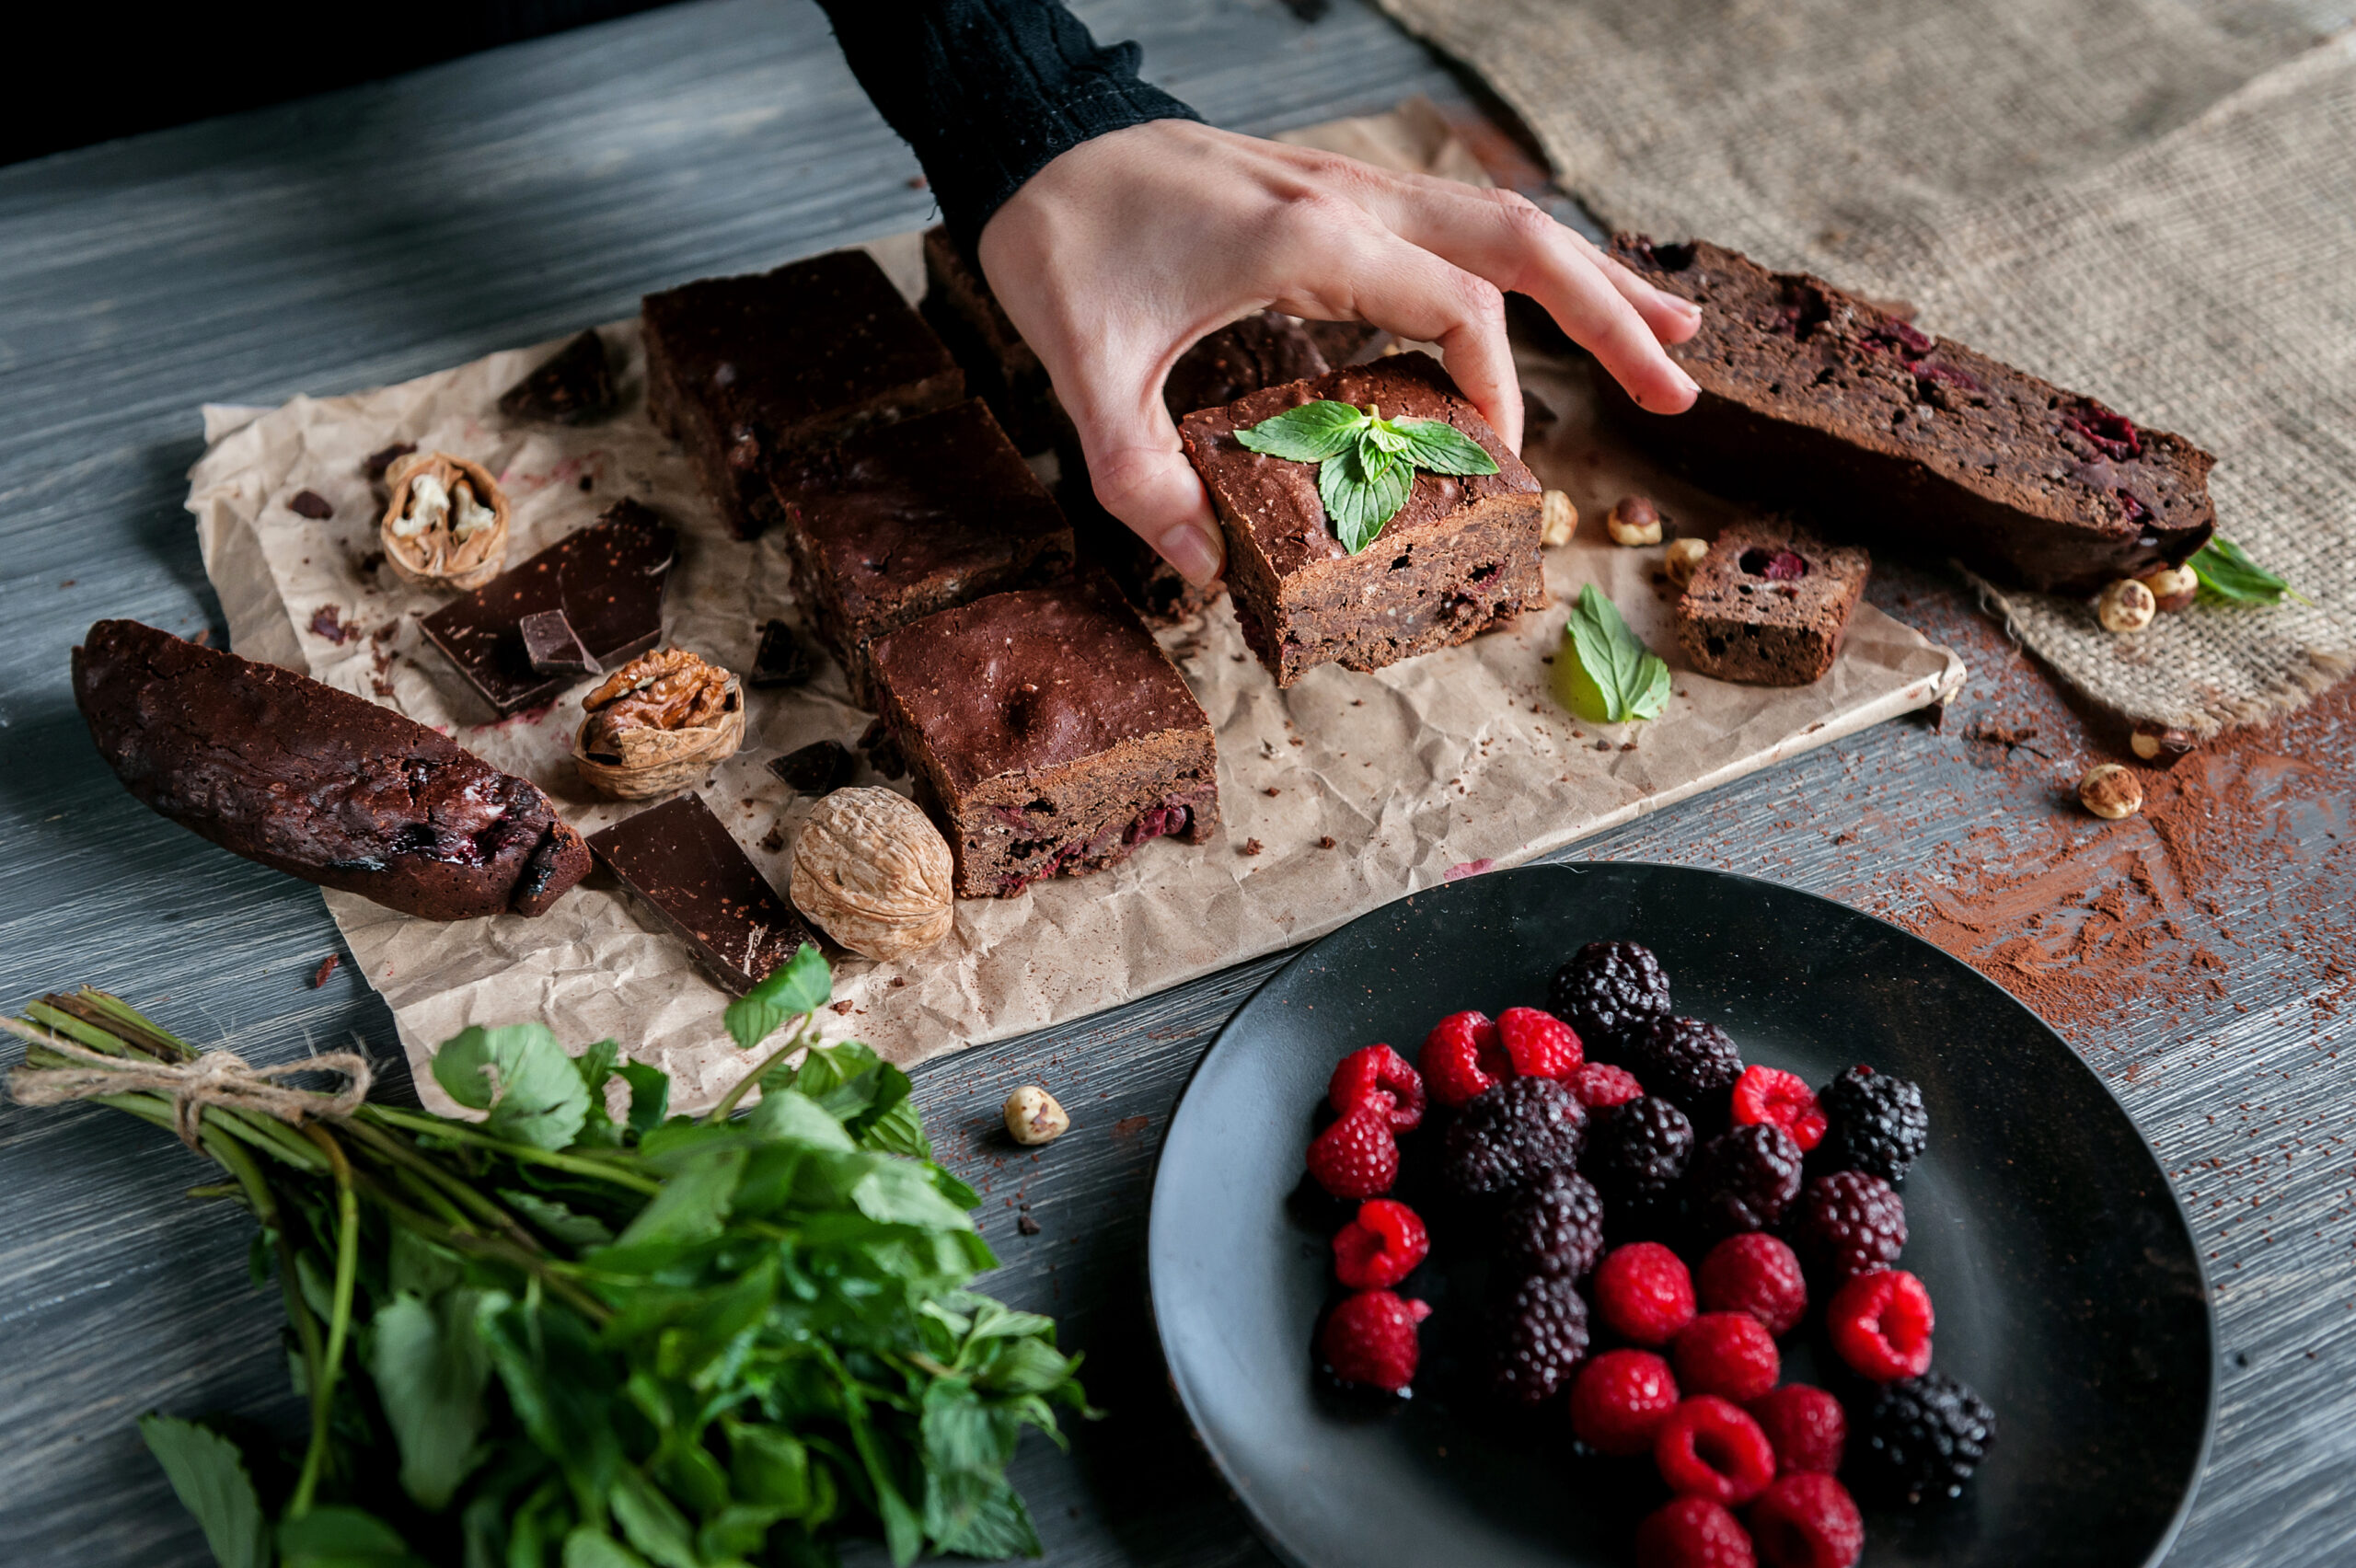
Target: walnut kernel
x=2126 y=606
x=1557 y=519
x=658 y=723
x=1684 y=558
x=873 y=872
x=1033 y=1117
x=1633 y=521
x=2112 y=790
x=2172 y=587
x=445 y=523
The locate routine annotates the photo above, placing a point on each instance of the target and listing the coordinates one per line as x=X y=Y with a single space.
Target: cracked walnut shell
x=871 y=872
x=657 y=724
x=445 y=523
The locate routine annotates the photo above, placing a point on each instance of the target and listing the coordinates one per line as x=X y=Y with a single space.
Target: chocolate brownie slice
x=317 y=782
x=684 y=868
x=909 y=519
x=1048 y=733
x=746 y=370
x=1818 y=399
x=1001 y=369
x=1770 y=604
x=1458 y=558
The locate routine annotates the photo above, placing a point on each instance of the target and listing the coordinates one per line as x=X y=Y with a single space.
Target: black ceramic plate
x=2066 y=1283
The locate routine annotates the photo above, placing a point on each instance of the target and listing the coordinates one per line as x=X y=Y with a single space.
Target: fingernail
x=1193 y=551
x=1684 y=307
x=1686 y=381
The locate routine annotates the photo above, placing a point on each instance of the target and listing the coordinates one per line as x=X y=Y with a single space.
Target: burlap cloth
x=2153 y=202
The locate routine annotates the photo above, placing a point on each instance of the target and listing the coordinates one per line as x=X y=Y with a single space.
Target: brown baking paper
x=1339 y=795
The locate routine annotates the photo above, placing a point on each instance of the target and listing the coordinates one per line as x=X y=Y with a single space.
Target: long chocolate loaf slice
x=1815 y=398
x=317 y=782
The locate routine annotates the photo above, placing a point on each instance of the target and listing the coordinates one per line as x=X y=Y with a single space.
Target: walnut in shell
x=657 y=724
x=445 y=521
x=873 y=872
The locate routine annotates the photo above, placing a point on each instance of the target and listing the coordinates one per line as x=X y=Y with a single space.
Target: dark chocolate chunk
x=574 y=387
x=816 y=768
x=781 y=661
x=606 y=578
x=685 y=869
x=379 y=461
x=882 y=752
x=553 y=647
x=312 y=504
x=317 y=782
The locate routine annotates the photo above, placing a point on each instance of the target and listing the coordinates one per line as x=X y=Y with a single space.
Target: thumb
x=1140 y=474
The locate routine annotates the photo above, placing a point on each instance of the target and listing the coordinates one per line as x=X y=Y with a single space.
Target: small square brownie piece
x=909 y=519
x=1000 y=368
x=1461 y=557
x=745 y=370
x=683 y=866
x=1770 y=604
x=1048 y=733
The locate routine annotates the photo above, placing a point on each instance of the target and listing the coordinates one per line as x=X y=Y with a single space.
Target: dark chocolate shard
x=553 y=647
x=781 y=661
x=698 y=883
x=384 y=459
x=312 y=504
x=574 y=387
x=606 y=578
x=816 y=768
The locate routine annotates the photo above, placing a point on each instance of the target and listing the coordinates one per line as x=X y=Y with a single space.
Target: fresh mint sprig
x=1366 y=464
x=2227 y=573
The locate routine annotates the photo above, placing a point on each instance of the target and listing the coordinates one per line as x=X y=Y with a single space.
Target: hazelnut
x=1033 y=1117
x=2163 y=745
x=2172 y=587
x=2110 y=790
x=2126 y=606
x=1634 y=520
x=1684 y=558
x=873 y=872
x=1557 y=519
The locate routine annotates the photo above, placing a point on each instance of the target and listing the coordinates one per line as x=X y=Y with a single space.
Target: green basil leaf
x=767 y=1465
x=522 y=1076
x=1359 y=503
x=429 y=1366
x=800 y=985
x=2227 y=573
x=338 y=1537
x=653 y=1522
x=1438 y=447
x=1633 y=681
x=588 y=1546
x=1309 y=434
x=208 y=1475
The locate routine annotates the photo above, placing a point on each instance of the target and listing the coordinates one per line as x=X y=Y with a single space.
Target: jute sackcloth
x=2151 y=202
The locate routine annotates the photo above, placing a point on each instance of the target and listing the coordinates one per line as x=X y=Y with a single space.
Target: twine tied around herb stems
x=216 y=1077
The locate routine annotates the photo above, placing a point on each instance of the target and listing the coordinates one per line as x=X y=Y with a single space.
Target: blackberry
x=1607 y=990
x=1744 y=1180
x=1509 y=1137
x=1877 y=1124
x=1638 y=1152
x=1555 y=1226
x=1850 y=1223
x=1923 y=1437
x=1692 y=1063
x=1538 y=1337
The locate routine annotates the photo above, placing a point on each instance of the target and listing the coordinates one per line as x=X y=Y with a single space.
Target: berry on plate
x=1727 y=1353
x=1618 y=1400
x=1923 y=1438
x=1538 y=1336
x=1806 y=1426
x=1851 y=1223
x=1371 y=1339
x=1510 y=1137
x=1693 y=1532
x=1463 y=1058
x=1606 y=990
x=1881 y=1323
x=1688 y=1061
x=1378 y=1071
x=1600 y=1084
x=1642 y=1293
x=1874 y=1124
x=1639 y=1151
x=1780 y=1100
x=1807 y=1520
x=1554 y=1227
x=1710 y=1447
x=1753 y=1273
x=1381 y=1247
x=1356 y=1157
x=1539 y=1044
x=1744 y=1180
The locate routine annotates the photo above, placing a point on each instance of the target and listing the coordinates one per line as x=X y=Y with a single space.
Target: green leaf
x=653 y=1522
x=208 y=1474
x=522 y=1076
x=1439 y=447
x=554 y=1219
x=2227 y=573
x=800 y=985
x=1029 y=1366
x=430 y=1365
x=692 y=1206
x=338 y=1537
x=650 y=1096
x=767 y=1465
x=1386 y=437
x=978 y=1514
x=1360 y=502
x=899 y=1130
x=596 y=1066
x=1651 y=697
x=1309 y=434
x=899 y=1193
x=588 y=1546
x=789 y=1115
x=1632 y=682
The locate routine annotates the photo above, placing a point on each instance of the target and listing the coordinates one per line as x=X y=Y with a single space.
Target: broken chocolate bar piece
x=607 y=579
x=698 y=882
x=317 y=782
x=553 y=647
x=780 y=660
x=573 y=386
x=818 y=768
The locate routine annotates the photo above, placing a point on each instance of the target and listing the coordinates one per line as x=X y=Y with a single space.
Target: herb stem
x=793 y=1043
x=347 y=1274
x=579 y=1165
x=446 y=1187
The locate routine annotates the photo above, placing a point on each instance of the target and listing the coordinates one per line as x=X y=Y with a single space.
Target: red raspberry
x=1356 y=1157
x=1806 y=1426
x=1463 y=1056
x=1710 y=1447
x=1371 y=1339
x=1754 y=1273
x=1374 y=1070
x=1729 y=1353
x=1881 y=1325
x=1620 y=1400
x=1780 y=1100
x=1693 y=1532
x=1539 y=1044
x=1642 y=1293
x=1807 y=1521
x=1380 y=1247
x=1599 y=1084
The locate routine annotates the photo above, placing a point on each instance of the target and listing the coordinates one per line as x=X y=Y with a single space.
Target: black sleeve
x=988 y=91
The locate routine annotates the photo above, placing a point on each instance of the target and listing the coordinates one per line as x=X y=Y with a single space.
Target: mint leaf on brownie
x=1438 y=447
x=1309 y=434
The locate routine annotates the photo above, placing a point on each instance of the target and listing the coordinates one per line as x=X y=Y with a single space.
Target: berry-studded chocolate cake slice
x=1816 y=398
x=1770 y=604
x=1048 y=733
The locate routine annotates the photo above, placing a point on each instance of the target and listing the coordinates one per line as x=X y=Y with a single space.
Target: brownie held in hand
x=1770 y=604
x=317 y=782
x=1460 y=556
x=1048 y=733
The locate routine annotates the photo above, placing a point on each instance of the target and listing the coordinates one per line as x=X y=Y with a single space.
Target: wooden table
x=381 y=232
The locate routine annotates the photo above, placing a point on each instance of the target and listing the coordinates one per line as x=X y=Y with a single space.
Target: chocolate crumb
x=327 y=621
x=1272 y=791
x=379 y=461
x=367 y=564
x=312 y=504
x=842 y=1007
x=203 y=638
x=1027 y=1225
x=1253 y=846
x=1326 y=842
x=325 y=968
x=773 y=841
x=1603 y=744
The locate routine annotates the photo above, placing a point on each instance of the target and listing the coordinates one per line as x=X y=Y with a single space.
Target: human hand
x=1122 y=252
